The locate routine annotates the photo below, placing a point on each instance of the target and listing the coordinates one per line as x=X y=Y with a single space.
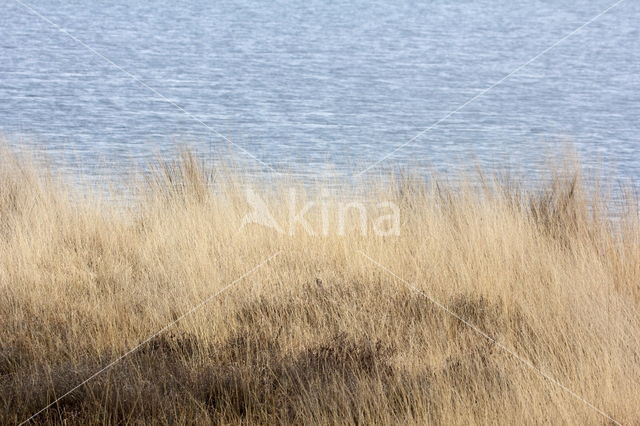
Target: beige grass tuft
x=320 y=334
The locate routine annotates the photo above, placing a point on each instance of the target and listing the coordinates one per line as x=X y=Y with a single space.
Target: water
x=310 y=86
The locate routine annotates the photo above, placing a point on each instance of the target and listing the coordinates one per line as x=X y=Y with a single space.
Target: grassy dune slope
x=316 y=328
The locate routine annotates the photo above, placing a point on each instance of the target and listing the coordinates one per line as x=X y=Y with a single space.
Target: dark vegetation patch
x=251 y=376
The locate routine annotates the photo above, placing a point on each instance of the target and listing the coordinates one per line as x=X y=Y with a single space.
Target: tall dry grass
x=335 y=328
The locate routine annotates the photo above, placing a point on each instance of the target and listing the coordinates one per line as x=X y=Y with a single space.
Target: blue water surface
x=315 y=86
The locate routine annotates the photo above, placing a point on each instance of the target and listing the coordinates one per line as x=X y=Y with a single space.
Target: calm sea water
x=312 y=86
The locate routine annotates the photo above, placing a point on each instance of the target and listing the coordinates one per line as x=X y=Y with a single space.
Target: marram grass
x=497 y=302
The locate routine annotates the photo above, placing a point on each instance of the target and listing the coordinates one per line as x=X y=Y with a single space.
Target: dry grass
x=319 y=334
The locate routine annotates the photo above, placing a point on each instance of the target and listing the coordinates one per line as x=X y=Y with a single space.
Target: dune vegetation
x=498 y=301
